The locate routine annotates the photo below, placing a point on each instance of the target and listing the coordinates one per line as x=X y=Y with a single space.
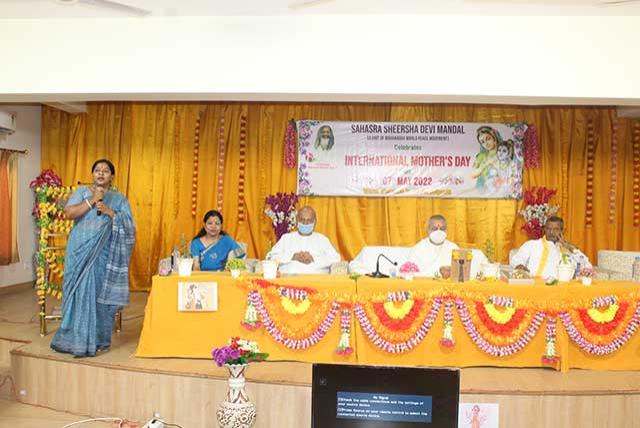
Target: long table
x=170 y=333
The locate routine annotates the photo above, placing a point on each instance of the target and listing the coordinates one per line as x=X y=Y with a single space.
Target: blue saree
x=96 y=281
x=214 y=257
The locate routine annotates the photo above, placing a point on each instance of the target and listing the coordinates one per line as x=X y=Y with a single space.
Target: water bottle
x=635 y=270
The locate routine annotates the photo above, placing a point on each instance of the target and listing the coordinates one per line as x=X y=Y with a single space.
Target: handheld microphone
x=98 y=212
x=377 y=273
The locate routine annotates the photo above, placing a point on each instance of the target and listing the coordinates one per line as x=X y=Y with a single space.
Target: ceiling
x=54 y=9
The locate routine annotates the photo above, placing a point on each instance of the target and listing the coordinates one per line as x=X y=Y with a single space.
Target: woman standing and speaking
x=96 y=283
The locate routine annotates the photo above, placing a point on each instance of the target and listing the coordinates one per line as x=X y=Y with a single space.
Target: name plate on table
x=461 y=265
x=197 y=296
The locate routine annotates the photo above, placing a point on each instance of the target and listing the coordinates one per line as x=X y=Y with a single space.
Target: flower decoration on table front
x=447 y=340
x=295 y=317
x=238 y=351
x=281 y=209
x=399 y=321
x=290 y=145
x=537 y=210
x=604 y=327
x=550 y=357
x=496 y=326
x=408 y=270
x=344 y=346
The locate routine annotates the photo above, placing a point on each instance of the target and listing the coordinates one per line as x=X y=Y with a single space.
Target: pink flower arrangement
x=587 y=272
x=278 y=335
x=409 y=267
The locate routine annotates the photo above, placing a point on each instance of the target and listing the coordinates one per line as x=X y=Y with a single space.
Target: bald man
x=304 y=251
x=433 y=252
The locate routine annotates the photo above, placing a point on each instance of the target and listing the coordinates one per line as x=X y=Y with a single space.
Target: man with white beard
x=433 y=254
x=324 y=139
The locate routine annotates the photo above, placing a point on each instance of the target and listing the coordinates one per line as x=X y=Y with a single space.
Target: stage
x=187 y=391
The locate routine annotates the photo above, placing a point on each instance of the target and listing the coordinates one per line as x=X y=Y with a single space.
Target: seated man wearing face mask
x=433 y=252
x=304 y=251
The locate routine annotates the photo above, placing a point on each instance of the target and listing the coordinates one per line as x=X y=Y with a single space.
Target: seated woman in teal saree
x=96 y=283
x=212 y=246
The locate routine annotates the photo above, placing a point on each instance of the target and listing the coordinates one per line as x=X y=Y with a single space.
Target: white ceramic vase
x=236 y=411
x=586 y=280
x=184 y=266
x=235 y=273
x=565 y=272
x=269 y=269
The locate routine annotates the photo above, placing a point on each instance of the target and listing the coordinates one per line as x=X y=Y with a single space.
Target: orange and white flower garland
x=194 y=179
x=447 y=340
x=636 y=173
x=241 y=174
x=613 y=185
x=550 y=356
x=221 y=158
x=590 y=167
x=604 y=327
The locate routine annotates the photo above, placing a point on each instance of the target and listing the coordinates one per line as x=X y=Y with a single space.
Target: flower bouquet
x=537 y=210
x=408 y=270
x=281 y=209
x=238 y=352
x=586 y=275
x=235 y=266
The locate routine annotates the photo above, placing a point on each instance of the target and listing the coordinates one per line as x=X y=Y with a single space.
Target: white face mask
x=438 y=236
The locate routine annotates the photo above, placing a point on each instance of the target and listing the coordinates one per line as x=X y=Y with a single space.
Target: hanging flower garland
x=344 y=345
x=447 y=340
x=590 y=167
x=290 y=145
x=550 y=357
x=501 y=343
x=241 y=174
x=221 y=159
x=598 y=336
x=531 y=147
x=372 y=331
x=613 y=186
x=277 y=331
x=196 y=156
x=636 y=173
x=50 y=200
x=251 y=321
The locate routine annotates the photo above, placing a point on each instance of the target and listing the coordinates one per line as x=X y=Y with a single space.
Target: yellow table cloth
x=168 y=332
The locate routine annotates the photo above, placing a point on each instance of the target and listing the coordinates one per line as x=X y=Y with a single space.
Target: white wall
x=27 y=136
x=427 y=58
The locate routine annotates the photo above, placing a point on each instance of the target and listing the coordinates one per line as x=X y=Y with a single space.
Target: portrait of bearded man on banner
x=324 y=139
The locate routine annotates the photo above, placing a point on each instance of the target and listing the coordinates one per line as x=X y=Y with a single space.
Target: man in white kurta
x=541 y=257
x=304 y=251
x=434 y=251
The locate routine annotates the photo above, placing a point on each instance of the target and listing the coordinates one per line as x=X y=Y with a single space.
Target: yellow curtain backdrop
x=151 y=145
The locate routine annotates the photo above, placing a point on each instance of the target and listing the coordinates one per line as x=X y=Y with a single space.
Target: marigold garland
x=277 y=333
x=241 y=173
x=403 y=346
x=513 y=343
x=636 y=173
x=613 y=186
x=603 y=345
x=398 y=310
x=295 y=308
x=590 y=168
x=196 y=155
x=221 y=161
x=397 y=323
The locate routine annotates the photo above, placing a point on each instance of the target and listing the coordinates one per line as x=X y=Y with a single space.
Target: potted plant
x=235 y=266
x=236 y=410
x=408 y=270
x=586 y=275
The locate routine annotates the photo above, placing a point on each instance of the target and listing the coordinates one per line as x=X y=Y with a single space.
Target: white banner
x=444 y=160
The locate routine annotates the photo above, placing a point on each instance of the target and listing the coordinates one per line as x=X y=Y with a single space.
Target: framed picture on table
x=197 y=296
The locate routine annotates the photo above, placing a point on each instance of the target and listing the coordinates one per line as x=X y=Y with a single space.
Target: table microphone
x=377 y=273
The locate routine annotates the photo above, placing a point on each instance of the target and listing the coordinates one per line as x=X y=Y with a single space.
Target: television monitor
x=348 y=396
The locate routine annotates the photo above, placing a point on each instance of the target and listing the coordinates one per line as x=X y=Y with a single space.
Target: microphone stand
x=377 y=273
